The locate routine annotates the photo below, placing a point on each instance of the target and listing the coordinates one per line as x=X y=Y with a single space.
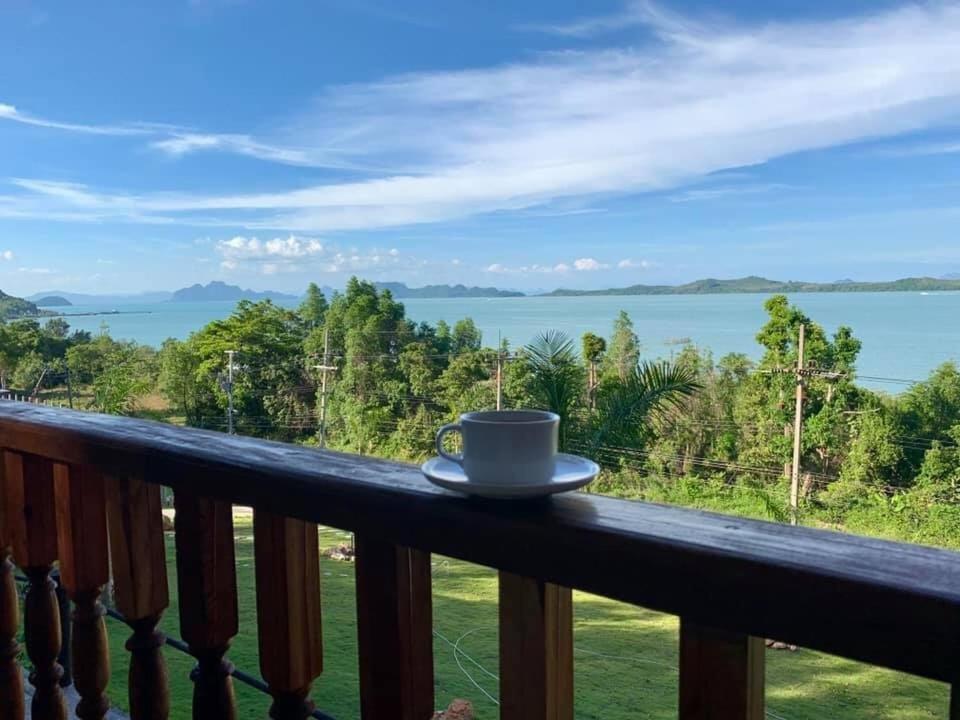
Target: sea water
x=904 y=335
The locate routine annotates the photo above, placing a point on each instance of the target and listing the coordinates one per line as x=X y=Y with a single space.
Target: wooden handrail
x=730 y=579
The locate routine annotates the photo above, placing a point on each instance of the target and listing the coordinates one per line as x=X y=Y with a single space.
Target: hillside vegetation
x=755 y=284
x=13 y=307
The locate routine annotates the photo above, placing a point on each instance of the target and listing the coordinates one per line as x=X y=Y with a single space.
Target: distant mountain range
x=754 y=284
x=53 y=301
x=220 y=291
x=401 y=291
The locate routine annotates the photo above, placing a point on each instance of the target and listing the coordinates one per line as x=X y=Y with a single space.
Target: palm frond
x=625 y=409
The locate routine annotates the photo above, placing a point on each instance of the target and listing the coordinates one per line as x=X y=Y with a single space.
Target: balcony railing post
x=536 y=649
x=721 y=674
x=207 y=581
x=394 y=630
x=135 y=523
x=11 y=675
x=33 y=527
x=84 y=571
x=287 y=559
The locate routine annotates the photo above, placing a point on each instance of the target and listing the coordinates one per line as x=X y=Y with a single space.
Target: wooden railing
x=73 y=480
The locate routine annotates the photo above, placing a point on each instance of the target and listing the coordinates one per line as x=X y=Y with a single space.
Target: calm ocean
x=905 y=335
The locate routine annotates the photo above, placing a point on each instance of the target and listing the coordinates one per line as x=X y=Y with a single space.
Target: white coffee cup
x=505 y=447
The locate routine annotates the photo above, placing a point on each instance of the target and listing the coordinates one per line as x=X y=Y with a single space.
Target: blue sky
x=527 y=145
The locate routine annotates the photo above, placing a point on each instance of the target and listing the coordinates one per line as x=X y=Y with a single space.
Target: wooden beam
x=395 y=631
x=536 y=650
x=287 y=560
x=721 y=674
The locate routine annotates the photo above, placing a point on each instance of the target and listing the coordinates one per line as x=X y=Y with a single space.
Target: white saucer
x=571 y=473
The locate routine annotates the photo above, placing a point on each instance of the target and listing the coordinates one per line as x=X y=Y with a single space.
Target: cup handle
x=453 y=427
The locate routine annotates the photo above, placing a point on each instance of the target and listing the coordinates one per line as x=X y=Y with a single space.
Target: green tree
x=314 y=306
x=181 y=381
x=594 y=347
x=272 y=392
x=623 y=353
x=627 y=409
x=121 y=382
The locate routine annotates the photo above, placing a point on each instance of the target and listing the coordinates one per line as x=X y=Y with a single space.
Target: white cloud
x=628 y=264
x=694 y=100
x=589 y=264
x=7 y=255
x=36 y=270
x=293 y=253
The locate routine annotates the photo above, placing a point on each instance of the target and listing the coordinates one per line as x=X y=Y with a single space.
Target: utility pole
x=797 y=431
x=324 y=369
x=228 y=386
x=69 y=390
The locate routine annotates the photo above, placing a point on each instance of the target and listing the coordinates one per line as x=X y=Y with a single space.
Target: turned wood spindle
x=287 y=559
x=207 y=580
x=135 y=523
x=11 y=675
x=31 y=519
x=84 y=571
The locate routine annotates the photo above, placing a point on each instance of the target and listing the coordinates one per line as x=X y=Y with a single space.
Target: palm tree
x=626 y=408
x=557 y=379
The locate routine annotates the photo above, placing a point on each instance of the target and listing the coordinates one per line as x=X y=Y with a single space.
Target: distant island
x=220 y=291
x=754 y=284
x=401 y=291
x=12 y=308
x=53 y=301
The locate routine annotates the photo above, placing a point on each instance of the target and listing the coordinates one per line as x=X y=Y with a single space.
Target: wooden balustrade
x=71 y=480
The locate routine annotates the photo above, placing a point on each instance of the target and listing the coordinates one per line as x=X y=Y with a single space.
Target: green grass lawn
x=626 y=657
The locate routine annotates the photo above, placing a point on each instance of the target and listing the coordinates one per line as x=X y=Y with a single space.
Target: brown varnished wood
x=135 y=525
x=287 y=559
x=394 y=631
x=764 y=579
x=207 y=580
x=42 y=635
x=536 y=649
x=31 y=524
x=721 y=674
x=84 y=570
x=11 y=675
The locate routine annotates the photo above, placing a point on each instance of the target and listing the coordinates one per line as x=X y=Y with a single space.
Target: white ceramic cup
x=505 y=447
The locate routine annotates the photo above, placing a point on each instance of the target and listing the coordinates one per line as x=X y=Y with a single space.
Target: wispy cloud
x=726 y=191
x=9 y=112
x=696 y=100
x=949 y=147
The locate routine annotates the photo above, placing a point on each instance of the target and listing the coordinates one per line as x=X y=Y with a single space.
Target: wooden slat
x=207 y=581
x=721 y=674
x=31 y=520
x=395 y=631
x=84 y=571
x=135 y=525
x=792 y=583
x=287 y=559
x=11 y=674
x=536 y=650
